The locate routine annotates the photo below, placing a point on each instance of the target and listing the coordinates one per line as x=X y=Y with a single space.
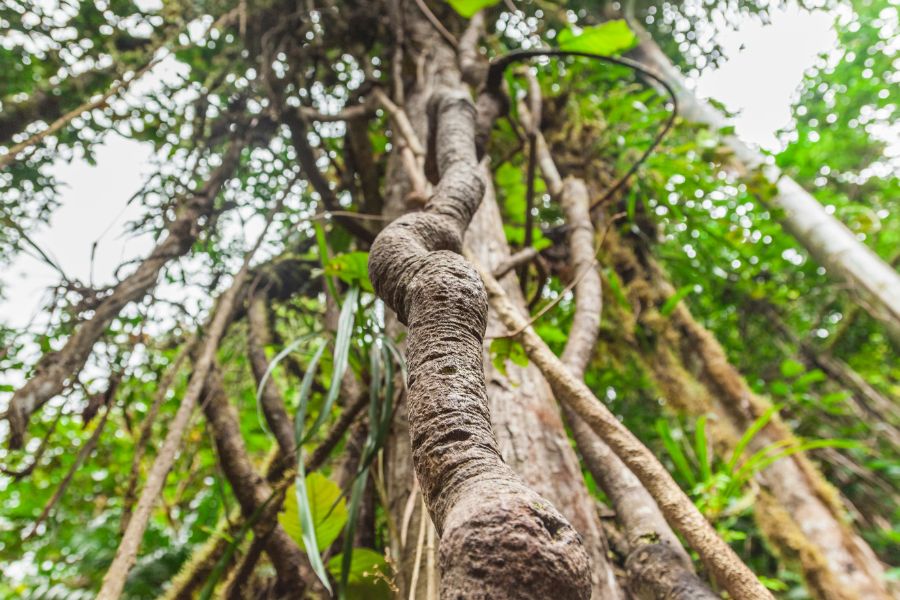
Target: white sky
x=766 y=65
x=759 y=80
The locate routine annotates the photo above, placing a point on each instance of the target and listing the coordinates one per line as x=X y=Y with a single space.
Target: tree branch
x=727 y=568
x=54 y=369
x=126 y=554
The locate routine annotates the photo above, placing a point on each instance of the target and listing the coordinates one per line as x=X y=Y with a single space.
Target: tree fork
x=657 y=565
x=525 y=415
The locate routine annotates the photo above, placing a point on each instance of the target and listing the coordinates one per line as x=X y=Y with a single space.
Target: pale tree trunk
x=525 y=416
x=826 y=238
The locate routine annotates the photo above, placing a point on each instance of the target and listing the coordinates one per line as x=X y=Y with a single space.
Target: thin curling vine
x=499 y=65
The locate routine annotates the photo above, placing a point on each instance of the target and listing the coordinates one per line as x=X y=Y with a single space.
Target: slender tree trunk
x=526 y=417
x=658 y=566
x=828 y=240
x=254 y=495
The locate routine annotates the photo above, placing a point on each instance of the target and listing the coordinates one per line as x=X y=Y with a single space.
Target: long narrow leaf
x=322 y=244
x=269 y=369
x=675 y=452
x=747 y=470
x=341 y=358
x=359 y=487
x=308 y=527
x=303 y=395
x=751 y=432
x=702 y=449
x=304 y=510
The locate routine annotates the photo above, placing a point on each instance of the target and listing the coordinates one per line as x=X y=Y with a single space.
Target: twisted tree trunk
x=474 y=498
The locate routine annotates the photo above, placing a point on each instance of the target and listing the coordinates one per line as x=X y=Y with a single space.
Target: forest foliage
x=65 y=495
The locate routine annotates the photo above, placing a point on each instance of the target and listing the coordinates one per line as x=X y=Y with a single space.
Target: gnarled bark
x=474 y=498
x=525 y=416
x=727 y=568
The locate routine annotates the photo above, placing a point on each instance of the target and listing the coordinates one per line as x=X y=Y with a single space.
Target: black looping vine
x=499 y=65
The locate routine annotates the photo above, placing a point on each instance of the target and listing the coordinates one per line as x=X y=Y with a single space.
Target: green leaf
x=803 y=382
x=352 y=268
x=327 y=512
x=612 y=37
x=341 y=360
x=675 y=452
x=551 y=334
x=751 y=432
x=791 y=368
x=618 y=289
x=324 y=255
x=701 y=448
x=468 y=8
x=367 y=577
x=670 y=304
x=503 y=349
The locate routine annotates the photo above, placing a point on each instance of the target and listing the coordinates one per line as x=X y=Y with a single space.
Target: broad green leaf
x=551 y=334
x=503 y=349
x=612 y=37
x=468 y=8
x=791 y=368
x=368 y=575
x=352 y=268
x=328 y=510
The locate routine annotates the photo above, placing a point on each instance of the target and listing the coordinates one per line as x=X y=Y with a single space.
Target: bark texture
x=280 y=423
x=251 y=490
x=525 y=415
x=474 y=498
x=657 y=565
x=727 y=568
